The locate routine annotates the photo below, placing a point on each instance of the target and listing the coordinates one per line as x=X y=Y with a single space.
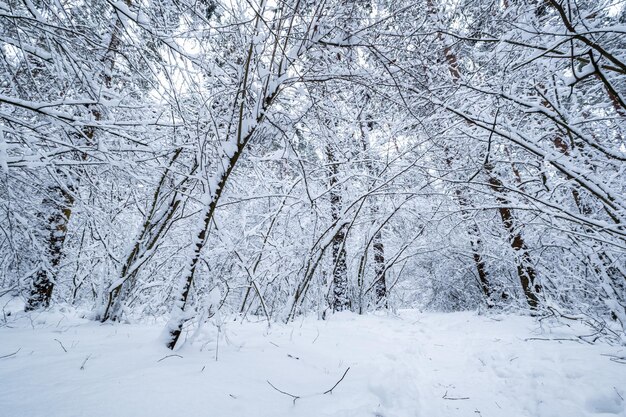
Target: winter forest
x=434 y=188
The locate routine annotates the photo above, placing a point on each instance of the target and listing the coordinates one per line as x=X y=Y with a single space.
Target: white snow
x=414 y=364
x=3 y=153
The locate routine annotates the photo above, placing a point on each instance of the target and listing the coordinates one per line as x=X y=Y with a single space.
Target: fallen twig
x=615 y=358
x=82 y=367
x=294 y=397
x=552 y=340
x=169 y=356
x=318 y=335
x=63 y=347
x=10 y=354
x=595 y=338
x=445 y=397
x=330 y=391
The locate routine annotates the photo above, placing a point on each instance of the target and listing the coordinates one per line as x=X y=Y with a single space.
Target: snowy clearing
x=414 y=364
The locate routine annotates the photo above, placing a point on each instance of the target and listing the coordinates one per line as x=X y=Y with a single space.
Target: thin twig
x=552 y=340
x=445 y=397
x=61 y=345
x=615 y=358
x=217 y=343
x=10 y=354
x=82 y=367
x=318 y=335
x=294 y=397
x=169 y=356
x=330 y=391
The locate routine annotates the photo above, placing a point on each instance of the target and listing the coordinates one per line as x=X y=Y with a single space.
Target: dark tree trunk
x=379 y=268
x=60 y=214
x=475 y=241
x=380 y=284
x=153 y=232
x=480 y=267
x=340 y=274
x=525 y=271
x=177 y=322
x=476 y=247
x=60 y=209
x=341 y=299
x=155 y=226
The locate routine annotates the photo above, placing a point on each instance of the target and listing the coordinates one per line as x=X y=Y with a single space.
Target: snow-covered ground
x=414 y=364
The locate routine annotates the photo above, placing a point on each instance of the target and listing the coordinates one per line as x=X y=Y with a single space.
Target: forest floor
x=412 y=364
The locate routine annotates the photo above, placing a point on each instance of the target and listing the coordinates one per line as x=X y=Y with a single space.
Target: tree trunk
x=60 y=205
x=475 y=240
x=58 y=219
x=525 y=271
x=380 y=287
x=153 y=230
x=380 y=283
x=178 y=319
x=341 y=300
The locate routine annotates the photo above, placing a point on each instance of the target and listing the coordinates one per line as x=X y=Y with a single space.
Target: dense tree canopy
x=176 y=157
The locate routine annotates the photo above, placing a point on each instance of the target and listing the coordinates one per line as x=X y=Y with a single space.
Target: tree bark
x=378 y=246
x=341 y=299
x=153 y=230
x=61 y=210
x=525 y=270
x=60 y=205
